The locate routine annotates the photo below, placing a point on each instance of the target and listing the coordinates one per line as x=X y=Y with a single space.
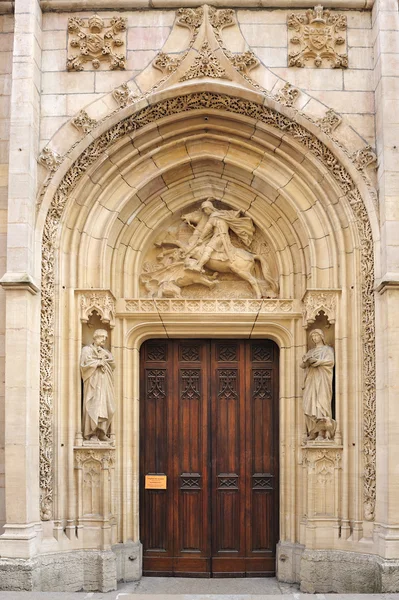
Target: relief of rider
x=214 y=235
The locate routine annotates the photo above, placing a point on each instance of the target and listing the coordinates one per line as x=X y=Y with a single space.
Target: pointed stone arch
x=282 y=133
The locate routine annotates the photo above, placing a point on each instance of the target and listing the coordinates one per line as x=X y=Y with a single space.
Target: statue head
x=317 y=335
x=207 y=207
x=100 y=337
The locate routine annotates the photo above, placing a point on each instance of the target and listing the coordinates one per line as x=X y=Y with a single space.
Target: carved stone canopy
x=316 y=301
x=100 y=301
x=209 y=251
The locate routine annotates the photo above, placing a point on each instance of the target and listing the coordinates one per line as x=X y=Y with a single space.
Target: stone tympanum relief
x=317 y=39
x=205 y=251
x=97 y=365
x=318 y=363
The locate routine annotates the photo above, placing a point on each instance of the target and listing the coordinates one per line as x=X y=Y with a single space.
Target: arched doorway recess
x=129 y=184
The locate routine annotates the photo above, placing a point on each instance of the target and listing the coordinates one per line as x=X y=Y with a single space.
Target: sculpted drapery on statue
x=317 y=395
x=97 y=365
x=208 y=253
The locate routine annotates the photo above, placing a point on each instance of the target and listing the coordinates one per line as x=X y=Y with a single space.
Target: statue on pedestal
x=97 y=365
x=317 y=394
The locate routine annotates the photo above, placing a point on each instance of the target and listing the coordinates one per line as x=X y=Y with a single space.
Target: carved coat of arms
x=315 y=38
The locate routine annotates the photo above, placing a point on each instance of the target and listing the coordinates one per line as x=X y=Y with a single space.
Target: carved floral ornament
x=317 y=38
x=94 y=41
x=150 y=114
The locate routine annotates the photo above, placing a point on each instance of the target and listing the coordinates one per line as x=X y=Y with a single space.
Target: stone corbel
x=315 y=301
x=100 y=301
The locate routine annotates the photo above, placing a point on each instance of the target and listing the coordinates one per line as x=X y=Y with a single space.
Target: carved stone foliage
x=190 y=18
x=244 y=61
x=166 y=63
x=149 y=114
x=364 y=157
x=50 y=159
x=124 y=96
x=316 y=301
x=100 y=301
x=83 y=122
x=330 y=121
x=95 y=41
x=198 y=252
x=205 y=65
x=220 y=18
x=317 y=38
x=287 y=95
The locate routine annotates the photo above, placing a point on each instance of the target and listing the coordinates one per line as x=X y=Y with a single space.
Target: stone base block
x=326 y=571
x=129 y=561
x=88 y=570
x=388 y=575
x=288 y=563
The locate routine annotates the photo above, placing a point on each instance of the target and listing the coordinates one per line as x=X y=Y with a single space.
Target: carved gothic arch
x=130 y=158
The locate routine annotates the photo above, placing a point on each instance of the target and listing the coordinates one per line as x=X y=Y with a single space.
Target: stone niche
x=238 y=260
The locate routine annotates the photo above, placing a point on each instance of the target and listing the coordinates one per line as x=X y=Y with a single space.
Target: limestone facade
x=107 y=144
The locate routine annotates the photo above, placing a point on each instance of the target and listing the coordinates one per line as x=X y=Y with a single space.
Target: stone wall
x=297 y=187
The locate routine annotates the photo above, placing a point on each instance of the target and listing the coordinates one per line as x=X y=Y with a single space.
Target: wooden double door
x=209 y=422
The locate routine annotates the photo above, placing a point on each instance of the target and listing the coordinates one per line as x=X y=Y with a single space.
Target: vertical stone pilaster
x=22 y=298
x=386 y=79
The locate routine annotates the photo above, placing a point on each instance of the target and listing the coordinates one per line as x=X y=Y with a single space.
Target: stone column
x=386 y=72
x=22 y=298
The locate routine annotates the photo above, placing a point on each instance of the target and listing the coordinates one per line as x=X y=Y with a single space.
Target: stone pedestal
x=94 y=469
x=321 y=489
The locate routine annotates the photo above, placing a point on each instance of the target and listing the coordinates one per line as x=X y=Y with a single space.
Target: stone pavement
x=174 y=588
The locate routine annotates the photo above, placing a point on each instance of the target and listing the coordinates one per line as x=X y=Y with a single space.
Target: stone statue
x=97 y=365
x=210 y=246
x=317 y=395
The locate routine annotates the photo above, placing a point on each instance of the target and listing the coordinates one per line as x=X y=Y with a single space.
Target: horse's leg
x=247 y=276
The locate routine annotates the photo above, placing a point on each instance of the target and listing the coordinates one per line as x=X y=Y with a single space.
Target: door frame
x=285 y=330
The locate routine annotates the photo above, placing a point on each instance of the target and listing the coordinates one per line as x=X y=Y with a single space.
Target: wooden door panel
x=191 y=517
x=209 y=421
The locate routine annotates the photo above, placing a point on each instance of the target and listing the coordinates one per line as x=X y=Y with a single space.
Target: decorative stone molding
x=322 y=466
x=166 y=63
x=19 y=281
x=315 y=39
x=96 y=42
x=149 y=114
x=364 y=158
x=50 y=159
x=243 y=62
x=83 y=122
x=205 y=65
x=287 y=95
x=124 y=96
x=330 y=121
x=100 y=301
x=315 y=301
x=208 y=306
